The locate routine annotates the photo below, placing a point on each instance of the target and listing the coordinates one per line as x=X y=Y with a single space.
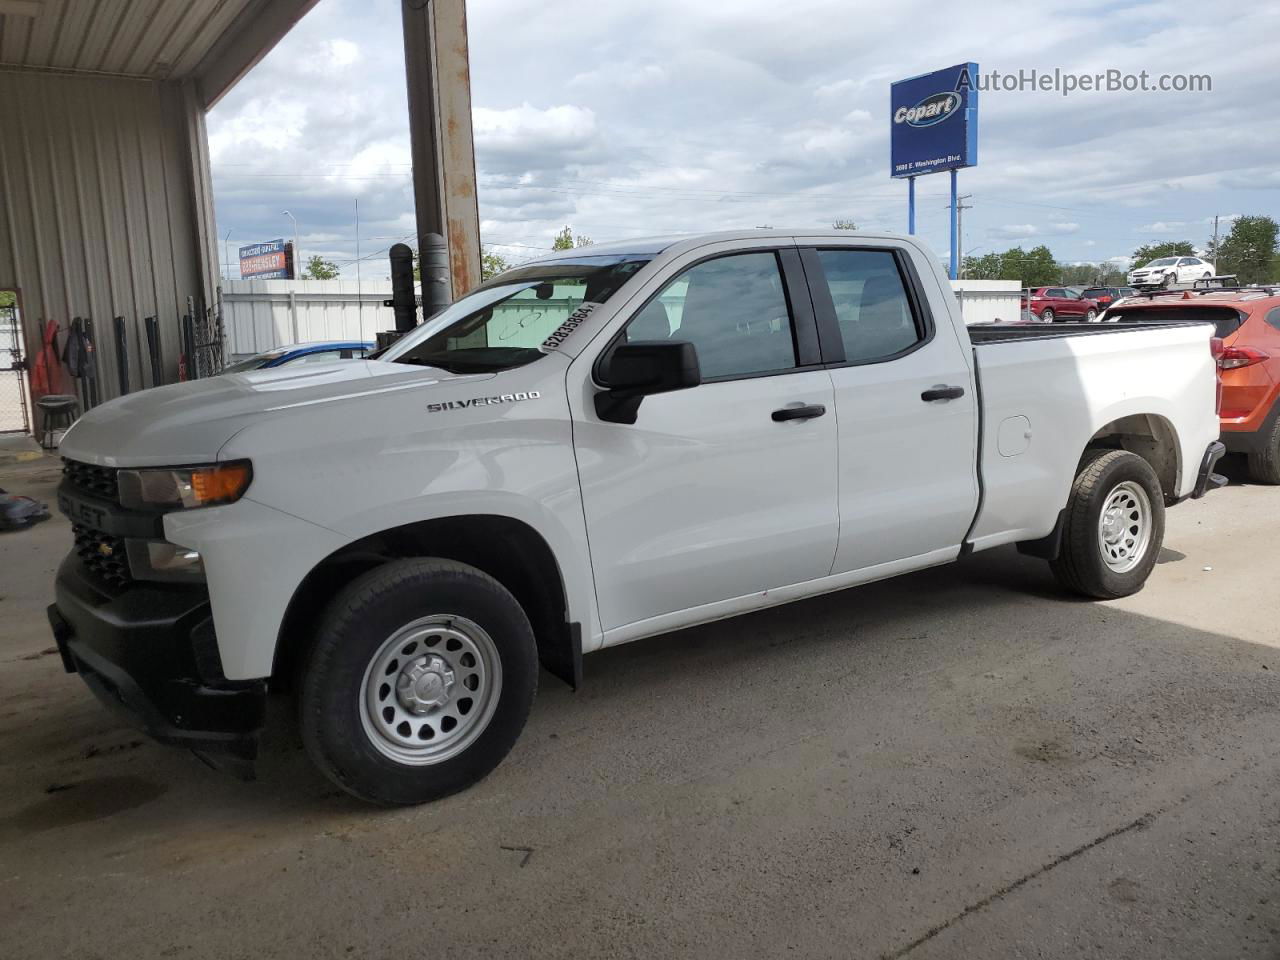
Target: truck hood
x=190 y=422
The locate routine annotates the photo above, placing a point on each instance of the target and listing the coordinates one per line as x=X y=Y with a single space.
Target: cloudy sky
x=626 y=119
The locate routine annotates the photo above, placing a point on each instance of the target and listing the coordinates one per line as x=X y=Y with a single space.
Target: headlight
x=161 y=560
x=185 y=487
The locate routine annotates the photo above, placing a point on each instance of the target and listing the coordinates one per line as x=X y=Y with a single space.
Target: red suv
x=1248 y=323
x=1061 y=303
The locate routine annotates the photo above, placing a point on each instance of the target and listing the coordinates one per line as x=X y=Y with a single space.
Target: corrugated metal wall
x=104 y=209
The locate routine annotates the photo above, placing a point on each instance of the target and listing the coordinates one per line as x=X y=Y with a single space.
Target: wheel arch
x=1151 y=436
x=509 y=550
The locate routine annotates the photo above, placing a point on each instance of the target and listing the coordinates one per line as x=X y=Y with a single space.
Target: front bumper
x=149 y=652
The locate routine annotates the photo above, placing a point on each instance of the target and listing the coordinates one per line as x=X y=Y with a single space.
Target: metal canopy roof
x=213 y=42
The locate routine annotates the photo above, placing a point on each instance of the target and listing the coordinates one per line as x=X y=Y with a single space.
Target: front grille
x=103 y=555
x=93 y=480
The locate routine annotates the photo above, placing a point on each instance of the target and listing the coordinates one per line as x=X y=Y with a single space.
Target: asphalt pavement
x=962 y=762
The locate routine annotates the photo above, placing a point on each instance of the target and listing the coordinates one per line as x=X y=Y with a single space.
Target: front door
x=906 y=406
x=714 y=493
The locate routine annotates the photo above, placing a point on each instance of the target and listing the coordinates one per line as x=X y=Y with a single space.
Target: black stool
x=56 y=410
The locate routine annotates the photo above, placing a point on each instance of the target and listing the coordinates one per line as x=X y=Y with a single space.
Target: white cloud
x=527 y=128
x=1161 y=226
x=343 y=53
x=1017 y=230
x=1064 y=228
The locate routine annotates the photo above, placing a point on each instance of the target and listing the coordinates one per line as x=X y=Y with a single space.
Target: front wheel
x=1170 y=280
x=420 y=680
x=1113 y=527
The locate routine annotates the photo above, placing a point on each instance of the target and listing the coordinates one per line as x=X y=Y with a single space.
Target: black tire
x=1090 y=315
x=1170 y=280
x=356 y=626
x=1264 y=463
x=1046 y=315
x=1079 y=567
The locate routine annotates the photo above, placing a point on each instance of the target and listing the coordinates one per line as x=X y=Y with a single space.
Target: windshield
x=515 y=318
x=1163 y=262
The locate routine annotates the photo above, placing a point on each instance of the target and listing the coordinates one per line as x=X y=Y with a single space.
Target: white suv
x=1167 y=271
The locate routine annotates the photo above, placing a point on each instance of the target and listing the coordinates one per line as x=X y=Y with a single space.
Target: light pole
x=226 y=252
x=297 y=253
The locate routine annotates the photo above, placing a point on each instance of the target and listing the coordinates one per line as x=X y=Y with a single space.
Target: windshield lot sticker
x=481 y=401
x=574 y=321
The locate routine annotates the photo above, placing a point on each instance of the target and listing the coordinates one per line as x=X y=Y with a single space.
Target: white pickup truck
x=599 y=446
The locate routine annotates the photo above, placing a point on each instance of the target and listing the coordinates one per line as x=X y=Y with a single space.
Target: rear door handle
x=942 y=392
x=806 y=412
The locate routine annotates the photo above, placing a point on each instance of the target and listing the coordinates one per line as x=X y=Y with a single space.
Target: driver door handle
x=806 y=412
x=942 y=392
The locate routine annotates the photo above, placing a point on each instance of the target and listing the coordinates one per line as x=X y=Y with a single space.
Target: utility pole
x=297 y=254
x=1215 y=244
x=960 y=208
x=226 y=251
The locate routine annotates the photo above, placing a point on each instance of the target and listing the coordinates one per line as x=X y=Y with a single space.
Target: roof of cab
x=651 y=246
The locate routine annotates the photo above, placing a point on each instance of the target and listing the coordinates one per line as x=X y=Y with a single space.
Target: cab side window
x=733 y=309
x=873 y=310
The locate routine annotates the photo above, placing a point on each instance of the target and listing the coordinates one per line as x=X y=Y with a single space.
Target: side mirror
x=640 y=368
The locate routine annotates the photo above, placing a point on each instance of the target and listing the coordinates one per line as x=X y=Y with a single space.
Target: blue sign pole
x=911 y=206
x=955 y=234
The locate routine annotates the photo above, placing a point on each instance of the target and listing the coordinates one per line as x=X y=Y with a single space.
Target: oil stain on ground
x=81 y=801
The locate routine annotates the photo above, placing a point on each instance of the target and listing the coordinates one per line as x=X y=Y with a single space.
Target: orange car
x=1248 y=323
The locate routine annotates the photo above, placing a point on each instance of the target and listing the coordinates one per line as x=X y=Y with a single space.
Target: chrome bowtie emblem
x=105 y=550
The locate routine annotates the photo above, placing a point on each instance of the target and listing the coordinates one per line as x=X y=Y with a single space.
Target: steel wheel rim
x=430 y=690
x=1124 y=527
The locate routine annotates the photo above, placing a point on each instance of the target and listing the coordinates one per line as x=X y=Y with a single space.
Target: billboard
x=933 y=123
x=265 y=261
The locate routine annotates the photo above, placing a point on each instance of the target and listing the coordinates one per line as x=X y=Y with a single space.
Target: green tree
x=844 y=225
x=1034 y=268
x=1079 y=274
x=1170 y=248
x=8 y=298
x=492 y=264
x=1249 y=250
x=318 y=268
x=565 y=240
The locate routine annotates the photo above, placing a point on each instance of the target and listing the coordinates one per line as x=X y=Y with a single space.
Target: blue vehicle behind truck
x=315 y=352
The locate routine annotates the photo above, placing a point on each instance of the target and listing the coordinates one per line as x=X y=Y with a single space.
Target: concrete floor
x=958 y=763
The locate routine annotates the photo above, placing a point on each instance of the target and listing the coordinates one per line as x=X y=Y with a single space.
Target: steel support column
x=438 y=76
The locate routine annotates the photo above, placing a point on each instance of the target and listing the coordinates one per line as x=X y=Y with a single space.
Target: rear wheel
x=1047 y=314
x=1113 y=527
x=1264 y=463
x=420 y=680
x=1090 y=315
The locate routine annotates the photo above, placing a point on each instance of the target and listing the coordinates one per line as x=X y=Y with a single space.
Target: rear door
x=905 y=402
x=720 y=491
